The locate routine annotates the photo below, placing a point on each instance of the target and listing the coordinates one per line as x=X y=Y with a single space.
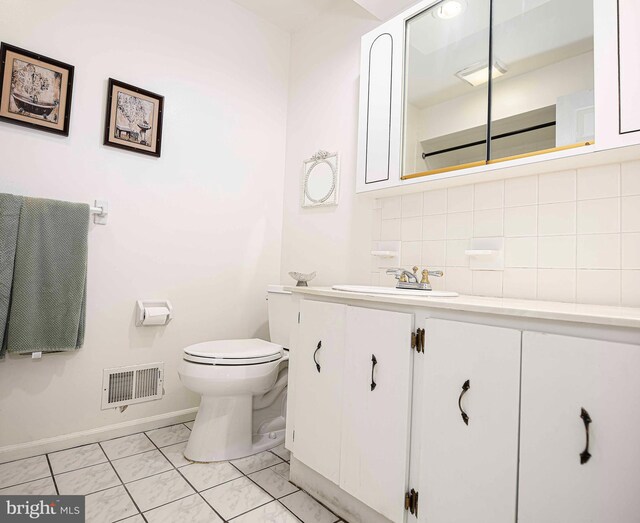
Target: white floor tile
x=272 y=512
x=282 y=469
x=76 y=458
x=175 y=454
x=236 y=497
x=189 y=425
x=192 y=509
x=23 y=470
x=169 y=435
x=127 y=446
x=273 y=483
x=206 y=475
x=38 y=487
x=158 y=490
x=308 y=509
x=109 y=505
x=87 y=480
x=256 y=462
x=133 y=519
x=141 y=465
x=282 y=452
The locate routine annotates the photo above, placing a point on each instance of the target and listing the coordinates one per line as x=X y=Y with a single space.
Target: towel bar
x=100 y=212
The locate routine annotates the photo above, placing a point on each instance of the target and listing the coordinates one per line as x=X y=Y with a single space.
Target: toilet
x=243 y=388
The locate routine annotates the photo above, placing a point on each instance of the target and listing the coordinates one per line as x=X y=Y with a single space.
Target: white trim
x=65 y=441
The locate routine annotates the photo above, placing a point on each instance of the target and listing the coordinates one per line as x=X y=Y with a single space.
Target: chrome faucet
x=409 y=280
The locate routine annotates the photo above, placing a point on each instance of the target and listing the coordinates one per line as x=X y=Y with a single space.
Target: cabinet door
x=376 y=415
x=468 y=463
x=629 y=43
x=560 y=377
x=318 y=365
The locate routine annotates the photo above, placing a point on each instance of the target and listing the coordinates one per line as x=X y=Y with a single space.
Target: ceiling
x=291 y=15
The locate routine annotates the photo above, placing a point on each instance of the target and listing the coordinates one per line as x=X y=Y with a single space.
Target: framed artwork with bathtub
x=35 y=91
x=134 y=119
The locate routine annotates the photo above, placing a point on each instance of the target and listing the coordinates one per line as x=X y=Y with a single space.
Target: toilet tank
x=282 y=315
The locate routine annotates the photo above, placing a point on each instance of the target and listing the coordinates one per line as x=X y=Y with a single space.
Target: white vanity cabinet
x=376 y=416
x=318 y=363
x=561 y=376
x=469 y=439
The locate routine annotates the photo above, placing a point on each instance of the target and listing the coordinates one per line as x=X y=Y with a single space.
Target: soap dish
x=302 y=278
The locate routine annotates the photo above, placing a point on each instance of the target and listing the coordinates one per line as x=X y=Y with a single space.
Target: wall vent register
x=134 y=384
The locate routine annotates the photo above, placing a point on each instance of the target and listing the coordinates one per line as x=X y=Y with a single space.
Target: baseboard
x=65 y=441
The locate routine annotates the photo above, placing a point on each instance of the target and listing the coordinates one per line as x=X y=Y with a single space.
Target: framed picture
x=35 y=91
x=134 y=119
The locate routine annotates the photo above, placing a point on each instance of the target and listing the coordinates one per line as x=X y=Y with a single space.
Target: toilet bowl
x=242 y=384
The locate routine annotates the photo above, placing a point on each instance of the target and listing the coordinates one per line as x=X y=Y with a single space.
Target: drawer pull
x=374 y=362
x=585 y=455
x=314 y=355
x=465 y=387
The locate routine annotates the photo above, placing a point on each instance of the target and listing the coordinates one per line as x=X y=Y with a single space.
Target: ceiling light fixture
x=478 y=74
x=449 y=9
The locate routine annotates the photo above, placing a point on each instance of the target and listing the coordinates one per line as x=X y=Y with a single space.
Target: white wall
x=323 y=114
x=200 y=226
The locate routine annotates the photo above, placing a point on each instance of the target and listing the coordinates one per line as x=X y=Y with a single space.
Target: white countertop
x=544 y=310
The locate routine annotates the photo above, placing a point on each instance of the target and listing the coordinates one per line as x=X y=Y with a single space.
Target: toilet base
x=222 y=431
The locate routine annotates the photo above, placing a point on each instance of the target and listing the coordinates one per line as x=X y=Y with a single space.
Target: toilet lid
x=233 y=352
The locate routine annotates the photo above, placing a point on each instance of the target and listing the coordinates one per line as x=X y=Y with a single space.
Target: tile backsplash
x=571 y=236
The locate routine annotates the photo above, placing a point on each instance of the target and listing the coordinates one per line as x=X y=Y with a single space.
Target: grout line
x=55 y=483
x=81 y=468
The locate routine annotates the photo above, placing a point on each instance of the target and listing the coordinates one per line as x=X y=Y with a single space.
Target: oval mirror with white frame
x=320 y=180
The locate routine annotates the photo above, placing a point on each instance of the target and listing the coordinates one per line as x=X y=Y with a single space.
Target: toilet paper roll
x=155 y=315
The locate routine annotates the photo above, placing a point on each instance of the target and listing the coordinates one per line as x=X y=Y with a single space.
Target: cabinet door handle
x=374 y=362
x=465 y=387
x=585 y=455
x=314 y=355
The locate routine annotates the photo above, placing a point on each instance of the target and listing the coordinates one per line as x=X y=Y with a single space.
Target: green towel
x=49 y=282
x=10 y=206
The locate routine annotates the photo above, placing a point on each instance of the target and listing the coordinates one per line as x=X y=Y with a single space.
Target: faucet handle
x=426 y=273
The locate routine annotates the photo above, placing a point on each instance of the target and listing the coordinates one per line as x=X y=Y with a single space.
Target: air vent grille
x=135 y=384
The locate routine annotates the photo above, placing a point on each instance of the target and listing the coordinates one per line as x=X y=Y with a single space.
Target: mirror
x=320 y=180
x=537 y=96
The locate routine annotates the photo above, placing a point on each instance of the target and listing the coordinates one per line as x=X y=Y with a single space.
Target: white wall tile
x=459 y=280
x=602 y=181
x=487 y=283
x=630 y=213
x=455 y=253
x=488 y=195
x=630 y=289
x=412 y=229
x=460 y=199
x=375 y=279
x=631 y=251
x=520 y=283
x=598 y=251
x=459 y=225
x=376 y=224
x=434 y=202
x=557 y=187
x=438 y=283
x=412 y=205
x=391 y=208
x=488 y=223
x=557 y=285
x=521 y=191
x=557 y=252
x=521 y=252
x=411 y=253
x=521 y=221
x=391 y=230
x=433 y=253
x=434 y=227
x=630 y=178
x=598 y=287
x=557 y=218
x=599 y=216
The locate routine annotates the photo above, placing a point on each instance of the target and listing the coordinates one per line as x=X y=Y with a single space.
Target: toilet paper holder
x=153 y=313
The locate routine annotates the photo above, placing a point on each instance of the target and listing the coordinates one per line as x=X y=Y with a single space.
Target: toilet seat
x=233 y=352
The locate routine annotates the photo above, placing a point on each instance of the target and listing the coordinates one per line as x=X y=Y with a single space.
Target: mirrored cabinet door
x=542 y=96
x=446 y=88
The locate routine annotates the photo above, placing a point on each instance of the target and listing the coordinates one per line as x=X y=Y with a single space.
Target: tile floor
x=145 y=477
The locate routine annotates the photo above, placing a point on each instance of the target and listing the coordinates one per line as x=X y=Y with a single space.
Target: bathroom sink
x=365 y=289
